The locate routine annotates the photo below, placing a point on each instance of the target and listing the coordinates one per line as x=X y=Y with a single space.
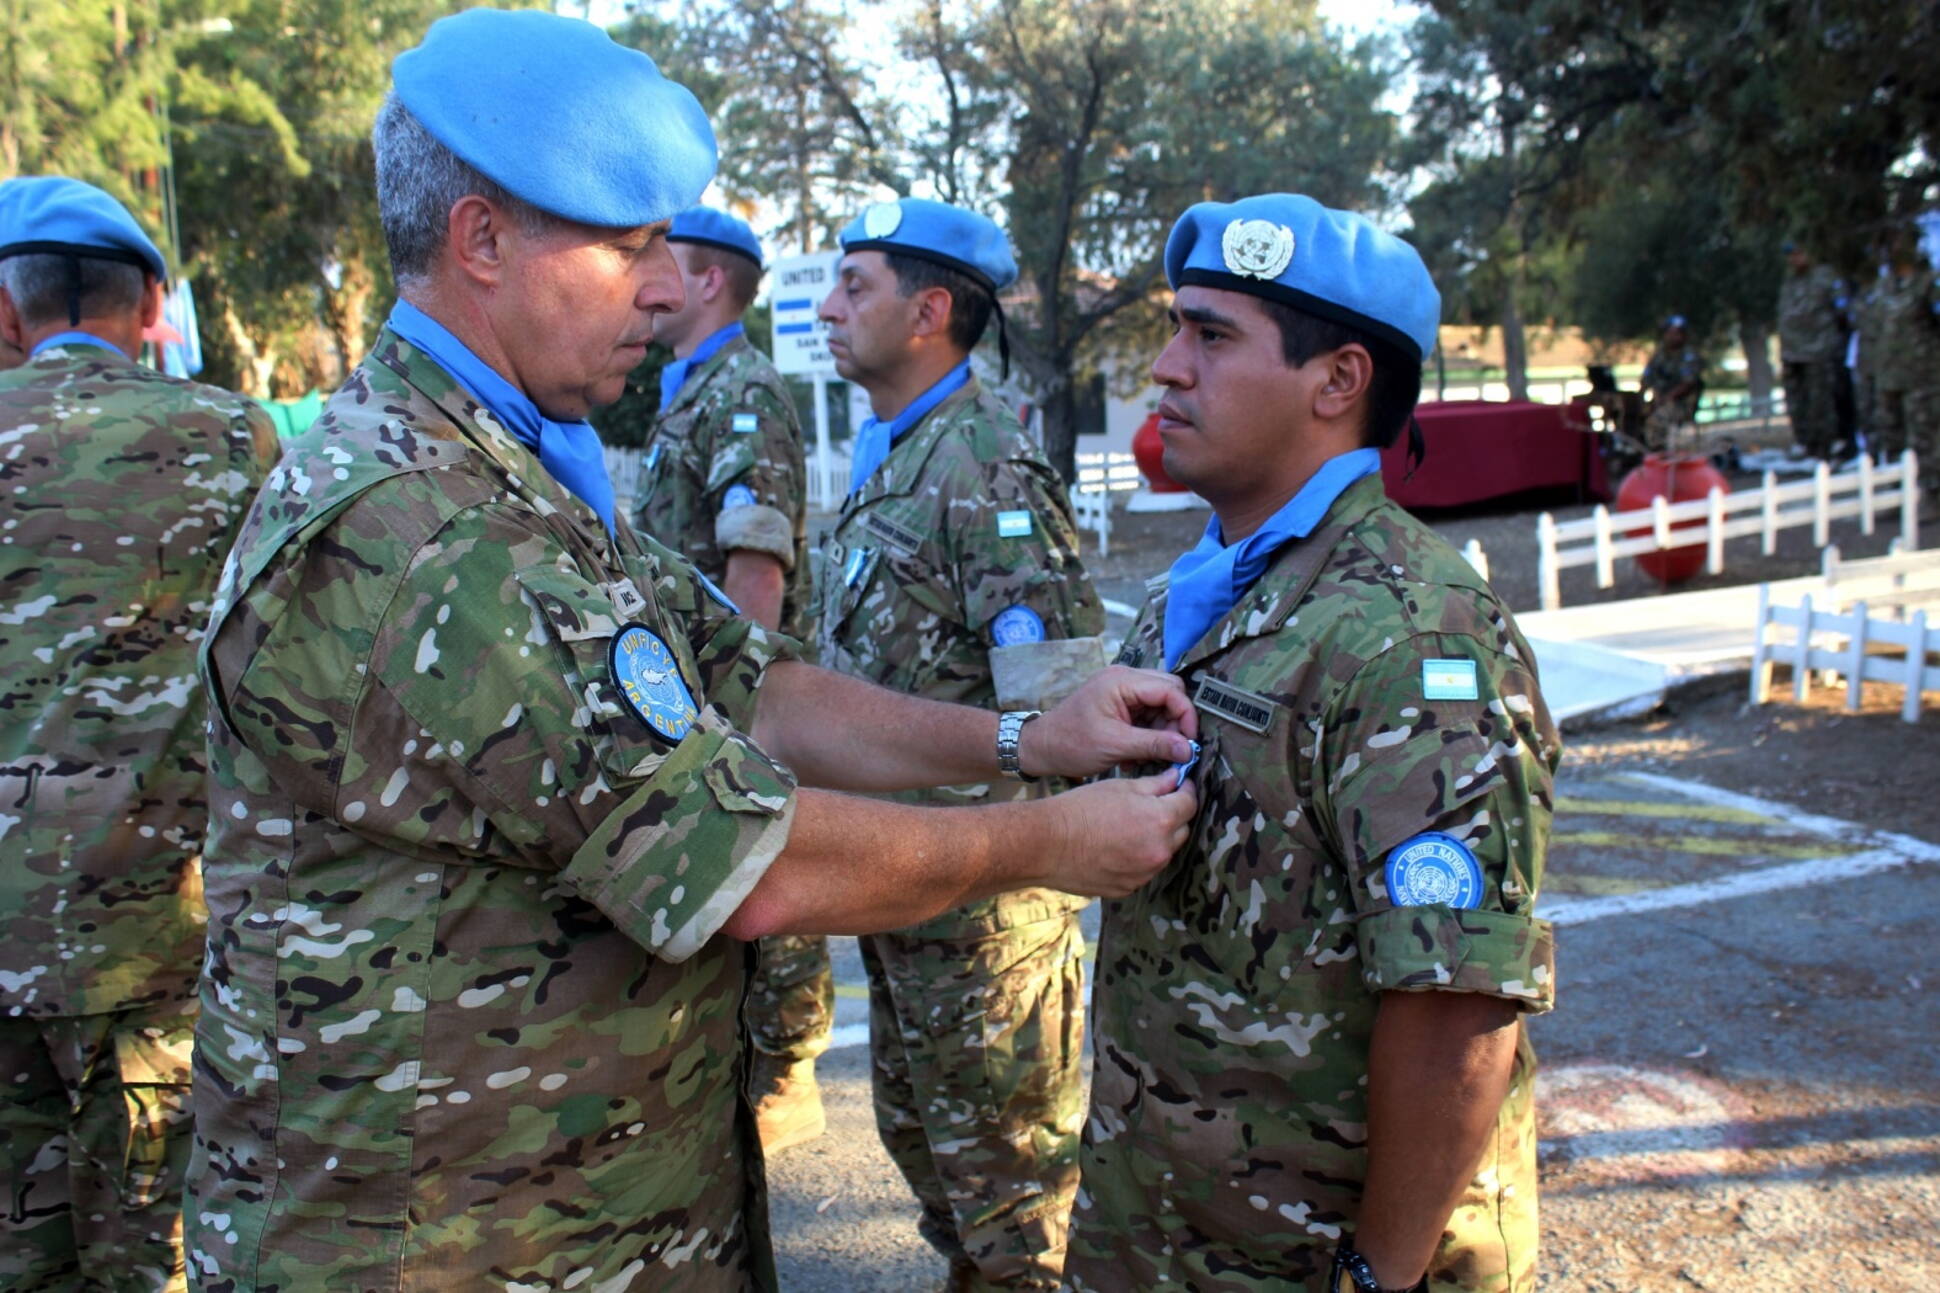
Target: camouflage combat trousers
x=1886 y=431
x=94 y=1139
x=1923 y=434
x=791 y=1000
x=1810 y=400
x=977 y=1045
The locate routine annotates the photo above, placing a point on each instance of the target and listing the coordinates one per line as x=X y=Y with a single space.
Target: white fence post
x=1550 y=584
x=1802 y=657
x=1865 y=466
x=1822 y=506
x=1770 y=512
x=1714 y=527
x=1472 y=550
x=1856 y=658
x=1606 y=560
x=1910 y=500
x=1660 y=520
x=1761 y=662
x=1916 y=668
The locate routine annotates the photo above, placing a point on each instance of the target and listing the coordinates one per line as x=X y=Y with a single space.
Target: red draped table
x=1484 y=449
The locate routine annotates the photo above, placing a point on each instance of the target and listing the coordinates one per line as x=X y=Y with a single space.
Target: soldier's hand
x=1119 y=834
x=1119 y=716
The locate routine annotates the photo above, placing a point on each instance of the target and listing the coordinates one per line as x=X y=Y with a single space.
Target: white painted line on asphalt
x=848 y=1035
x=1797 y=875
x=1834 y=827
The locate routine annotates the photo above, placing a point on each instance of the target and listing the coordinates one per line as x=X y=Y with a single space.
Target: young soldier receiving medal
x=1312 y=1068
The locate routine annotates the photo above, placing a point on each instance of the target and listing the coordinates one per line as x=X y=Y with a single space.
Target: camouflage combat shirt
x=1809 y=306
x=963 y=522
x=1236 y=992
x=1909 y=345
x=722 y=469
x=467 y=1021
x=123 y=489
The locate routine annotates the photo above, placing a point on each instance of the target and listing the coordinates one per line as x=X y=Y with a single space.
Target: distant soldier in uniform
x=953 y=573
x=1312 y=1070
x=1672 y=381
x=123 y=491
x=1919 y=315
x=1863 y=352
x=722 y=482
x=485 y=831
x=1898 y=314
x=1811 y=340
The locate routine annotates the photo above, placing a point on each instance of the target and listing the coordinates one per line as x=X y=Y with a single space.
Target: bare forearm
x=841 y=733
x=1438 y=1069
x=753 y=581
x=856 y=866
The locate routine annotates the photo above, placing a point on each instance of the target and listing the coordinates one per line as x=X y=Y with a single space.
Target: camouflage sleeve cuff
x=1037 y=675
x=755 y=527
x=674 y=860
x=1436 y=948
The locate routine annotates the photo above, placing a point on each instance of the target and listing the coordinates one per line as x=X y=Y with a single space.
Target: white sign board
x=801 y=342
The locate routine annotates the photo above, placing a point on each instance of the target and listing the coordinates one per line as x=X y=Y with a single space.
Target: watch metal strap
x=1010 y=726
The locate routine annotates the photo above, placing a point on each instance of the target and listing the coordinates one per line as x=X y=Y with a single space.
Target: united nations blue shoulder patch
x=737 y=496
x=1434 y=870
x=1016 y=626
x=649 y=677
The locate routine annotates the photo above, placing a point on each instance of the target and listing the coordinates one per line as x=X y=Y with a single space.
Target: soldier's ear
x=11 y=326
x=475 y=231
x=151 y=300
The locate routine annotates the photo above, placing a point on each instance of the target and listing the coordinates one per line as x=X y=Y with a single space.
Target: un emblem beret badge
x=1257 y=248
x=882 y=219
x=649 y=678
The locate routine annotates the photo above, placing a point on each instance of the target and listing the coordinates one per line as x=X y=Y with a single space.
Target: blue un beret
x=554 y=112
x=713 y=228
x=937 y=232
x=51 y=213
x=1288 y=248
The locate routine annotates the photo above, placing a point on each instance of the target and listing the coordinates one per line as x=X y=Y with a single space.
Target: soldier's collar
x=911 y=452
x=690 y=390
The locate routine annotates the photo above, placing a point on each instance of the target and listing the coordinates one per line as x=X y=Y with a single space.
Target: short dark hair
x=40 y=283
x=1393 y=391
x=971 y=302
x=743 y=275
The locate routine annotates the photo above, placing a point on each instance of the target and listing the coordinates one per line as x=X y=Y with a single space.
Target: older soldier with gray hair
x=491 y=815
x=123 y=491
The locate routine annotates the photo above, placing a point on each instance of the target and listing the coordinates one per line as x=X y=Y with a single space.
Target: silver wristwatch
x=1010 y=726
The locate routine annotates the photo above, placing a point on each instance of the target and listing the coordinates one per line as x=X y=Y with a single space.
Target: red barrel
x=1675 y=479
x=1149 y=450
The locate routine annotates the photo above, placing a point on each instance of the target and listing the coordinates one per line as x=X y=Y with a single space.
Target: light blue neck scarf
x=1209 y=580
x=873 y=441
x=571 y=451
x=674 y=375
x=76 y=338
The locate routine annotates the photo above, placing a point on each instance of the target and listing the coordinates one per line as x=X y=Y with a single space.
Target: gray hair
x=419 y=180
x=40 y=283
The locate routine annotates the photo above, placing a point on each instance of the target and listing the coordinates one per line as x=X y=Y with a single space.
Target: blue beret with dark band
x=712 y=228
x=54 y=215
x=944 y=235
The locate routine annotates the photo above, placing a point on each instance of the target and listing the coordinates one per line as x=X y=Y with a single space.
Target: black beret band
x=1269 y=290
x=118 y=254
x=963 y=267
x=724 y=245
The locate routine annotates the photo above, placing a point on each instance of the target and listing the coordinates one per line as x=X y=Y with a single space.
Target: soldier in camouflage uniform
x=953 y=572
x=1310 y=1053
x=484 y=832
x=723 y=483
x=1811 y=341
x=124 y=489
x=1672 y=381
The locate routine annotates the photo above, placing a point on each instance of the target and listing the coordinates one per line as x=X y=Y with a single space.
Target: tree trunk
x=1515 y=349
x=344 y=310
x=1060 y=404
x=257 y=364
x=1756 y=337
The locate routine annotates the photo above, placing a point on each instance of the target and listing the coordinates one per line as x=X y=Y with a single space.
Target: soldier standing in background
x=1312 y=1071
x=1811 y=340
x=1868 y=323
x=1920 y=316
x=1672 y=381
x=953 y=573
x=124 y=490
x=722 y=482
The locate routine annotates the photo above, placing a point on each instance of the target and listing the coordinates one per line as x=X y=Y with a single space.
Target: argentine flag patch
x=1448 y=680
x=1013 y=525
x=1433 y=870
x=745 y=422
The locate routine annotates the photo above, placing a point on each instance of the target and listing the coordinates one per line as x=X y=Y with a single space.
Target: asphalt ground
x=1740 y=1088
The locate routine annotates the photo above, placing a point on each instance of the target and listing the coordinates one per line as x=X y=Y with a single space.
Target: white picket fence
x=1853 y=644
x=623 y=469
x=1109 y=472
x=1600 y=538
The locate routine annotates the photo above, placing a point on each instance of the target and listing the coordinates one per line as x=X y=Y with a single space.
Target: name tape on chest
x=1247 y=708
x=746 y=422
x=1448 y=680
x=893 y=533
x=1013 y=525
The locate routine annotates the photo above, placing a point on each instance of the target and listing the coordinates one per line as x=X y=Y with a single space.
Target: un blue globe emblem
x=1433 y=870
x=649 y=677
